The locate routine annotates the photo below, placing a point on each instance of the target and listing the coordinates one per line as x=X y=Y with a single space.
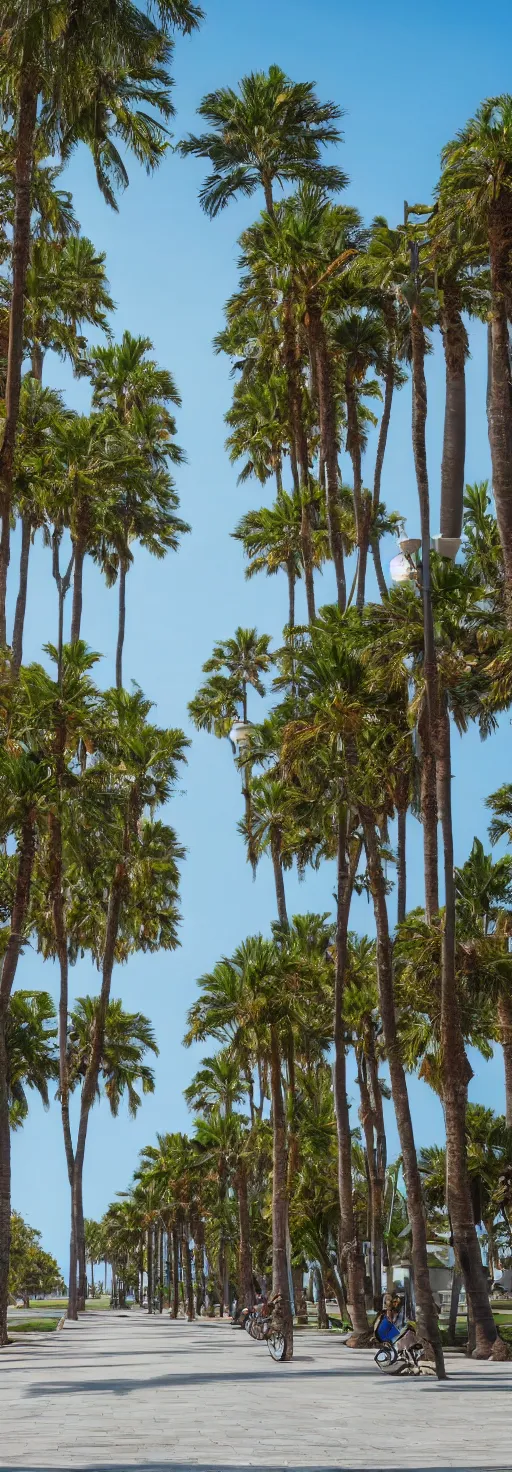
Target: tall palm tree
x=271 y=542
x=42 y=414
x=128 y=1037
x=475 y=191
x=234 y=665
x=134 y=395
x=271 y=131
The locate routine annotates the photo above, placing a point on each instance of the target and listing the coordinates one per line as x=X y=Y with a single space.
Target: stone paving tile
x=112 y=1394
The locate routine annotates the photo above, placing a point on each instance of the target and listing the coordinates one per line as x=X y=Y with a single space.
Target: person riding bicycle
x=386 y=1328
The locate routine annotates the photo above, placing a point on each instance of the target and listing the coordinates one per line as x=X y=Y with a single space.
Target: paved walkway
x=118 y=1393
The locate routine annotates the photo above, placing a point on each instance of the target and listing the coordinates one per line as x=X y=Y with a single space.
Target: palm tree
x=42 y=413
x=134 y=395
x=246 y=998
x=128 y=1037
x=474 y=191
x=365 y=1032
x=271 y=540
x=234 y=665
x=271 y=131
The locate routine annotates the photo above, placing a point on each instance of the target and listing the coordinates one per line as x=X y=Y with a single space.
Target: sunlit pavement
x=120 y=1392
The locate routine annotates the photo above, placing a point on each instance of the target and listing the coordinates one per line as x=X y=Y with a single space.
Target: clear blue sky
x=407 y=77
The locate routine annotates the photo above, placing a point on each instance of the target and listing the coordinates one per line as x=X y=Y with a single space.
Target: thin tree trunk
x=353 y=1264
x=377 y=562
x=80 y=1244
x=175 y=1274
x=244 y=1225
x=389 y=382
x=322 y=1320
x=455 y=343
x=505 y=1022
x=279 y=884
x=280 y=1279
x=499 y=415
x=376 y=1165
x=329 y=447
x=297 y=430
x=401 y=865
x=150 y=1270
x=428 y=802
x=78 y=577
x=21 y=601
x=290 y=572
x=187 y=1276
x=121 y=625
x=428 y=1325
x=455 y=1073
x=161 y=1273
x=24 y=162
x=362 y=513
x=454 y=1305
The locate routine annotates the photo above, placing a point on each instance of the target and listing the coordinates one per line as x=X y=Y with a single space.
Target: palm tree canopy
x=128 y=1037
x=271 y=130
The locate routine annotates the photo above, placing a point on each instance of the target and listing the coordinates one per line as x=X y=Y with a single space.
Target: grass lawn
x=37 y=1326
x=91 y=1303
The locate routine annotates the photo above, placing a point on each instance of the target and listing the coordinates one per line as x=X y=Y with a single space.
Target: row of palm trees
x=89 y=867
x=327 y=318
x=196 y=1227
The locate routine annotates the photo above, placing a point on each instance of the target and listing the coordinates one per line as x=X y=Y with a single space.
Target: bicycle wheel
x=386 y=1359
x=277 y=1346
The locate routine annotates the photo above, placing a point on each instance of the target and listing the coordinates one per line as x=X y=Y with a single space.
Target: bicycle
x=406 y=1359
x=265 y=1324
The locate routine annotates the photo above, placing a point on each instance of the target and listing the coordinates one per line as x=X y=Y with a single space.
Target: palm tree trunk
x=80 y=1245
x=401 y=867
x=456 y=1073
x=353 y=1264
x=187 y=1275
x=279 y=883
x=280 y=1279
x=121 y=624
x=291 y=355
x=499 y=415
x=428 y=805
x=150 y=1270
x=78 y=577
x=329 y=447
x=161 y=1273
x=377 y=562
x=376 y=1167
x=25 y=137
x=21 y=601
x=244 y=1225
x=389 y=384
x=362 y=515
x=290 y=571
x=428 y=1325
x=455 y=343
x=505 y=1022
x=175 y=1274
x=454 y=1305
x=322 y=1320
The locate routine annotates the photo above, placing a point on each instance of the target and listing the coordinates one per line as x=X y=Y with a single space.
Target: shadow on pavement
x=116 y=1386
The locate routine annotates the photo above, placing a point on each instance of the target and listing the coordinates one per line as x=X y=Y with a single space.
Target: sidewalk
x=117 y=1393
